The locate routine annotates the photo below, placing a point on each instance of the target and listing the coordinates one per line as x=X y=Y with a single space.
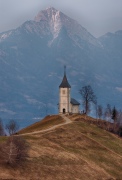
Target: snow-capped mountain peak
x=56 y=20
x=52 y=17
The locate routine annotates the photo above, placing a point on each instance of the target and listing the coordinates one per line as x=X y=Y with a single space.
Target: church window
x=63 y=91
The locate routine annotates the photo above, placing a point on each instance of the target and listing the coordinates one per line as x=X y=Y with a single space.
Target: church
x=66 y=104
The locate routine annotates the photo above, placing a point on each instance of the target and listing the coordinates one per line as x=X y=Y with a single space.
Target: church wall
x=64 y=100
x=74 y=108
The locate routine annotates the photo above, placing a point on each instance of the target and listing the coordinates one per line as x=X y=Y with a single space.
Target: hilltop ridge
x=79 y=150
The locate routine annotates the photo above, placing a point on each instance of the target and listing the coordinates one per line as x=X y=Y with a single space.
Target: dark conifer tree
x=114 y=114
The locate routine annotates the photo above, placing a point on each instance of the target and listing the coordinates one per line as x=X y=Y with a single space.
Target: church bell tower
x=64 y=95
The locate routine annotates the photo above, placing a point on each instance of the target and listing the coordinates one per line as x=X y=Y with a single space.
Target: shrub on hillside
x=1 y=128
x=12 y=127
x=120 y=131
x=14 y=151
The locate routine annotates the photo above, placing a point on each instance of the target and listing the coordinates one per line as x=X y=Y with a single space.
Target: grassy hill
x=76 y=151
x=47 y=122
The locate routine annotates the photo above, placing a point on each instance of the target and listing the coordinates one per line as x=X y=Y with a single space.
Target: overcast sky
x=97 y=16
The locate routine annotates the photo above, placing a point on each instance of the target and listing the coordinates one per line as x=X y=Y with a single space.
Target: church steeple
x=64 y=83
x=64 y=95
x=66 y=103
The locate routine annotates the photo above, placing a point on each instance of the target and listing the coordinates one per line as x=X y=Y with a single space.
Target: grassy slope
x=74 y=151
x=47 y=122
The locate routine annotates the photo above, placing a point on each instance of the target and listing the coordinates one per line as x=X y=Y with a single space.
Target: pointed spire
x=64 y=83
x=64 y=70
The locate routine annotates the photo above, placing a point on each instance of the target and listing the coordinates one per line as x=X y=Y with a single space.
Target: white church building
x=66 y=103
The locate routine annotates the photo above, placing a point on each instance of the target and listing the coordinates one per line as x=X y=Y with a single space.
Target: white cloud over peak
x=119 y=89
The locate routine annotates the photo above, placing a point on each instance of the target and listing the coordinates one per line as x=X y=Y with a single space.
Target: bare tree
x=1 y=128
x=88 y=97
x=99 y=111
x=120 y=118
x=107 y=116
x=14 y=151
x=12 y=127
x=108 y=112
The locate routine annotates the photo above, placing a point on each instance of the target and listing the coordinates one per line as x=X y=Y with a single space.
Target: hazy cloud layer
x=97 y=16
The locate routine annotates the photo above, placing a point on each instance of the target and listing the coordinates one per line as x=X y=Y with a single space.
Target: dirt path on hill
x=67 y=121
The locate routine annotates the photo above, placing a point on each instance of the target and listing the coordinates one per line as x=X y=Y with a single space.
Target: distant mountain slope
x=32 y=59
x=75 y=151
x=112 y=42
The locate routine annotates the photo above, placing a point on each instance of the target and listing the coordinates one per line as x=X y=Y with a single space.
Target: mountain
x=32 y=59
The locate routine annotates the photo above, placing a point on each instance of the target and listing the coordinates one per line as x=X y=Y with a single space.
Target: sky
x=97 y=16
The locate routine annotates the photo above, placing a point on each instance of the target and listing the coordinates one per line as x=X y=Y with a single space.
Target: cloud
x=119 y=89
x=31 y=100
x=5 y=110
